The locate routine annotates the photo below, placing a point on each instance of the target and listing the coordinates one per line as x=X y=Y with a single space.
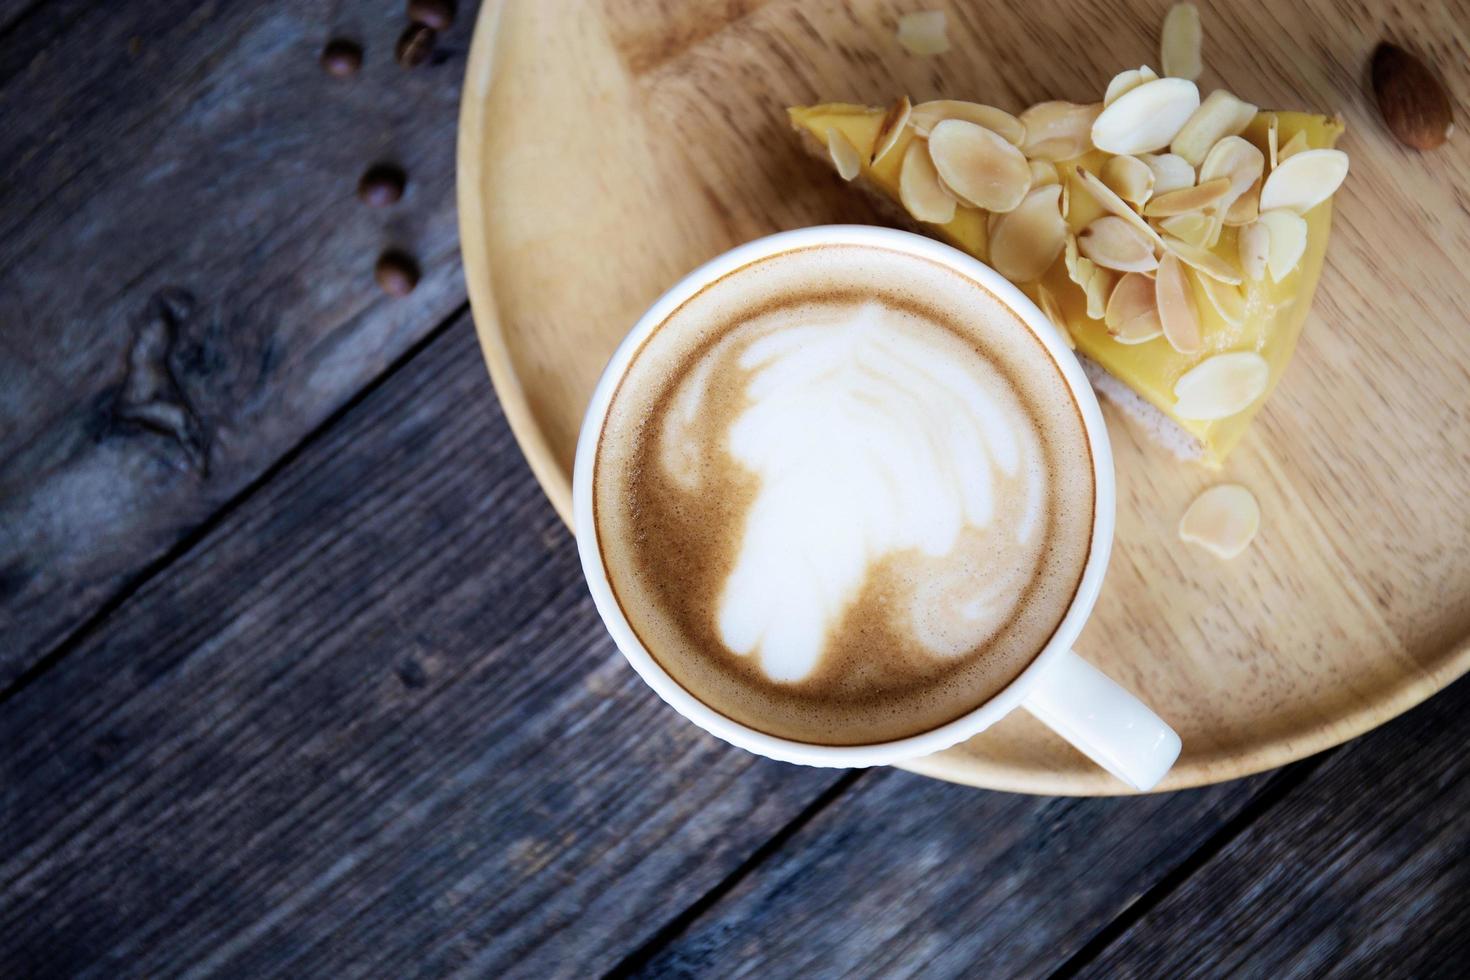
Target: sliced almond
x=1304 y=180
x=1254 y=244
x=919 y=188
x=1113 y=243
x=1217 y=225
x=1220 y=115
x=1179 y=45
x=1220 y=386
x=1171 y=171
x=1273 y=134
x=1293 y=146
x=1245 y=208
x=1227 y=300
x=845 y=156
x=979 y=166
x=1132 y=315
x=925 y=33
x=1288 y=241
x=1043 y=172
x=1147 y=117
x=1242 y=162
x=1189 y=199
x=926 y=115
x=1193 y=227
x=891 y=128
x=1128 y=177
x=1114 y=204
x=1053 y=311
x=1026 y=241
x=1072 y=257
x=1223 y=520
x=1066 y=196
x=1058 y=130
x=1177 y=312
x=1099 y=291
x=1126 y=81
x=1203 y=260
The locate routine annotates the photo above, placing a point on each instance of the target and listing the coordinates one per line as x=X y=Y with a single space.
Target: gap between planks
x=205 y=527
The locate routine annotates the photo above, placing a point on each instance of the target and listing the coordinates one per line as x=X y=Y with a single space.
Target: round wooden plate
x=608 y=147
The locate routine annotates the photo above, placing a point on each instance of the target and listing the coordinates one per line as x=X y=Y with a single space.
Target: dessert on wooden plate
x=1176 y=241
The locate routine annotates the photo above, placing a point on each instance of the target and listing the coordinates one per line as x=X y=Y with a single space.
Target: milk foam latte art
x=842 y=497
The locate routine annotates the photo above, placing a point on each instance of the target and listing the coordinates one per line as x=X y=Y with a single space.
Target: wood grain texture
x=909 y=877
x=186 y=271
x=370 y=725
x=1353 y=604
x=1359 y=872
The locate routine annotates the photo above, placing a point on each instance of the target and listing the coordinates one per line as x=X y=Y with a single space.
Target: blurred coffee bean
x=438 y=14
x=396 y=273
x=341 y=57
x=415 y=45
x=381 y=185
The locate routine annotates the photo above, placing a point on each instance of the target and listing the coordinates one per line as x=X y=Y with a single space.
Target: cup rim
x=936 y=739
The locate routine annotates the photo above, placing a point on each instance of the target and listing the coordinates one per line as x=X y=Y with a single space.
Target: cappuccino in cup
x=843 y=494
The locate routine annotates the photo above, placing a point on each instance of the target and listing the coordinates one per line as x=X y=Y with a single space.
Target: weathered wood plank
x=370 y=723
x=1362 y=871
x=907 y=876
x=185 y=271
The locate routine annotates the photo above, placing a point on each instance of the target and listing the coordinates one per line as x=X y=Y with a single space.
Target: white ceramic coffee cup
x=1075 y=699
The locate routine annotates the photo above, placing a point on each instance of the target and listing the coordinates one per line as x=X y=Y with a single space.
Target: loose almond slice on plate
x=1114 y=204
x=1128 y=177
x=924 y=33
x=1126 y=81
x=1227 y=300
x=1219 y=115
x=1113 y=243
x=1304 y=180
x=919 y=189
x=1058 y=130
x=1179 y=45
x=1223 y=520
x=845 y=156
x=891 y=128
x=1288 y=241
x=1132 y=315
x=1026 y=241
x=1220 y=386
x=1204 y=261
x=1146 y=118
x=926 y=115
x=1189 y=199
x=1177 y=312
x=1171 y=171
x=979 y=166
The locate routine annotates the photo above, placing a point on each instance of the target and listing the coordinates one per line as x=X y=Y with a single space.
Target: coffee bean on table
x=381 y=185
x=341 y=57
x=438 y=14
x=397 y=273
x=415 y=45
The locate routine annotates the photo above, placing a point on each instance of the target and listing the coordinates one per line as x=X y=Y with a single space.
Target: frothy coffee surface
x=844 y=495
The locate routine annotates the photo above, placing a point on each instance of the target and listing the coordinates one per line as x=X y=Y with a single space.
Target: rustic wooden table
x=298 y=675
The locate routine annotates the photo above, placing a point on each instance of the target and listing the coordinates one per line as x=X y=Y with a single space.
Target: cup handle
x=1104 y=721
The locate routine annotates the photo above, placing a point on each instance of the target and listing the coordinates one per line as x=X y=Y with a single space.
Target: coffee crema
x=843 y=495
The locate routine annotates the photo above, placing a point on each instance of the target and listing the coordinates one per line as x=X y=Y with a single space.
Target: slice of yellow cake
x=1176 y=241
